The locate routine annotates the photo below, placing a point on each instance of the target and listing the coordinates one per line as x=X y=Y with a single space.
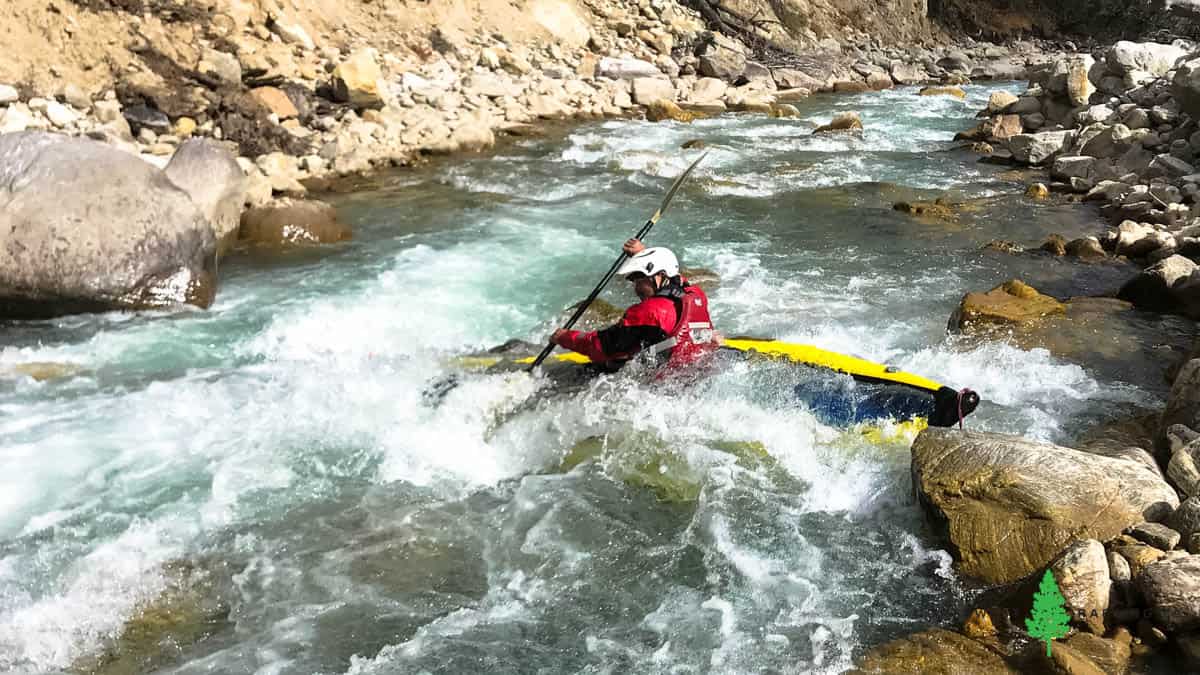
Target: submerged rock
x=44 y=371
x=847 y=121
x=938 y=209
x=1009 y=505
x=932 y=652
x=662 y=109
x=190 y=609
x=956 y=92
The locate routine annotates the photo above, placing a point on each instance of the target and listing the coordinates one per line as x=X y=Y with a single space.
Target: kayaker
x=671 y=322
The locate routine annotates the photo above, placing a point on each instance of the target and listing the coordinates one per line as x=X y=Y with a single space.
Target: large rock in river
x=1010 y=505
x=212 y=178
x=85 y=227
x=1013 y=302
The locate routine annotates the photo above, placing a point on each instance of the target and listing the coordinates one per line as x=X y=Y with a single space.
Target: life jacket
x=693 y=333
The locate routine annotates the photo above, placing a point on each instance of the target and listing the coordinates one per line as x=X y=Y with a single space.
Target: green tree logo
x=1049 y=620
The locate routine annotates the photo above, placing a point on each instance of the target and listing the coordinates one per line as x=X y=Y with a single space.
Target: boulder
x=647 y=90
x=932 y=652
x=1066 y=168
x=356 y=80
x=1087 y=654
x=846 y=121
x=1012 y=302
x=212 y=178
x=722 y=58
x=1184 y=469
x=1183 y=402
x=907 y=73
x=1025 y=105
x=999 y=100
x=1009 y=505
x=1079 y=85
x=275 y=101
x=956 y=92
x=1169 y=285
x=1083 y=579
x=1155 y=534
x=91 y=228
x=790 y=78
x=293 y=222
x=626 y=69
x=1155 y=59
x=1038 y=148
x=708 y=90
x=1171 y=588
x=222 y=67
x=1186 y=87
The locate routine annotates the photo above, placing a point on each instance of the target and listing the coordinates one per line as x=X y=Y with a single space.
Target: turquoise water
x=279 y=443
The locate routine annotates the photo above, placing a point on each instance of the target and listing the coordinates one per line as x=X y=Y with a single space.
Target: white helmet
x=650 y=262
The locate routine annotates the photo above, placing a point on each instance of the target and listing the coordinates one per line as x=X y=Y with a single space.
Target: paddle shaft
x=612 y=271
x=622 y=258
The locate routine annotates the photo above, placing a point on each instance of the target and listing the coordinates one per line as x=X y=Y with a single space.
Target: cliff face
x=1102 y=20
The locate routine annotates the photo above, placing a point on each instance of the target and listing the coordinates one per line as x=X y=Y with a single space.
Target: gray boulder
x=723 y=58
x=86 y=227
x=1156 y=59
x=626 y=69
x=1169 y=285
x=1186 y=87
x=212 y=178
x=1009 y=505
x=1038 y=148
x=1171 y=588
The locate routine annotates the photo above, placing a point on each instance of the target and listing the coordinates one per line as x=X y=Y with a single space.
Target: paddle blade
x=675 y=188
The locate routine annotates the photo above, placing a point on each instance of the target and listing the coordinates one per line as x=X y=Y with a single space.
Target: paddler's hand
x=557 y=335
x=633 y=246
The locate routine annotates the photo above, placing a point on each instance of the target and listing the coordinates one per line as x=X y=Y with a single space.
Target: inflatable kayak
x=871 y=392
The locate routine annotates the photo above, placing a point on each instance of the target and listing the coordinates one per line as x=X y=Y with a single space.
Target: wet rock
x=1009 y=505
x=1055 y=245
x=1038 y=148
x=1155 y=534
x=956 y=92
x=45 y=371
x=1083 y=579
x=930 y=652
x=1012 y=302
x=1172 y=592
x=851 y=87
x=784 y=110
x=938 y=209
x=694 y=144
x=189 y=610
x=356 y=80
x=135 y=239
x=293 y=222
x=1003 y=246
x=1085 y=248
x=978 y=625
x=216 y=184
x=846 y=121
x=1166 y=286
x=1037 y=191
x=996 y=129
x=662 y=109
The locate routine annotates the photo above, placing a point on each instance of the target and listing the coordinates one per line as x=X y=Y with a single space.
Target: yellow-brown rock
x=1037 y=191
x=932 y=652
x=979 y=625
x=847 y=121
x=956 y=92
x=291 y=222
x=1013 y=302
x=662 y=109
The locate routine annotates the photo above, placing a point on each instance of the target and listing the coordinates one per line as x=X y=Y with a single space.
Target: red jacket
x=654 y=323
